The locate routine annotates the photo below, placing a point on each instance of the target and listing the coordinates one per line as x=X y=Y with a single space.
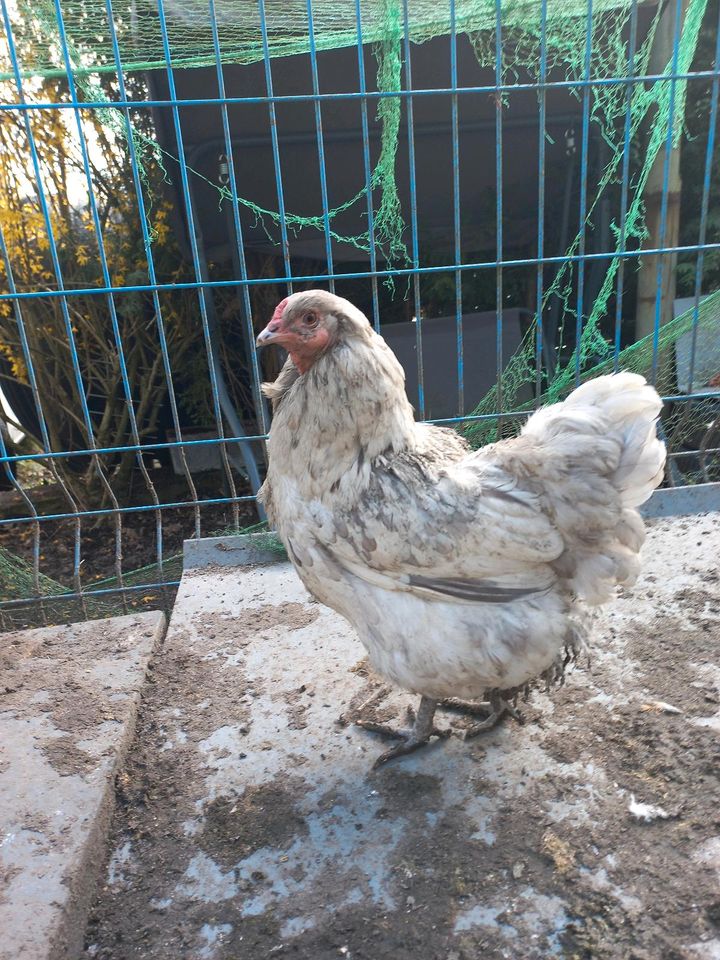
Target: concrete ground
x=68 y=703
x=250 y=826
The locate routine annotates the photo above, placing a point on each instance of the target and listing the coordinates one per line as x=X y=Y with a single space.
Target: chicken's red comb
x=279 y=310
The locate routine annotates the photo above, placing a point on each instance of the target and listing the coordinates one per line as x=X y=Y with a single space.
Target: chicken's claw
x=493 y=711
x=499 y=709
x=487 y=724
x=417 y=736
x=408 y=744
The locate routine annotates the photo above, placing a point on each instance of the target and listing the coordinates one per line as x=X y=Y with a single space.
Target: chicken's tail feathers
x=631 y=408
x=609 y=461
x=615 y=418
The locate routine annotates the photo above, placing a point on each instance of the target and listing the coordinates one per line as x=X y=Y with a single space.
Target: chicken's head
x=309 y=323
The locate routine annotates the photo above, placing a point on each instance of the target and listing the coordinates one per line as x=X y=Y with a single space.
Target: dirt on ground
x=45 y=675
x=562 y=867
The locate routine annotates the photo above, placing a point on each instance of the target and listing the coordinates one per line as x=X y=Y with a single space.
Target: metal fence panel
x=440 y=99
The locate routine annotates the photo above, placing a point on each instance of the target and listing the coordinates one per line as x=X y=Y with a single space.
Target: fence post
x=660 y=234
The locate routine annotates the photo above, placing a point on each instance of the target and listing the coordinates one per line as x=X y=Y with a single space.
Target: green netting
x=241 y=40
x=17 y=579
x=685 y=354
x=18 y=582
x=662 y=103
x=190 y=40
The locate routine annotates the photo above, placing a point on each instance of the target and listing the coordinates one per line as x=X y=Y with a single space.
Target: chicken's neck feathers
x=336 y=419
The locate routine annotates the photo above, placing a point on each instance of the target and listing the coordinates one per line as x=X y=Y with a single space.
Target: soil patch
x=264 y=816
x=67 y=758
x=517 y=846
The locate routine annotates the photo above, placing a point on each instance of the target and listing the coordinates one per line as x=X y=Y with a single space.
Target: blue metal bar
x=667 y=398
x=320 y=146
x=367 y=167
x=632 y=45
x=224 y=402
x=151 y=447
x=541 y=206
x=123 y=102
x=358 y=274
x=151 y=273
x=177 y=505
x=239 y=240
x=664 y=201
x=499 y=360
x=413 y=213
x=193 y=238
x=275 y=146
x=456 y=212
x=705 y=204
x=584 y=163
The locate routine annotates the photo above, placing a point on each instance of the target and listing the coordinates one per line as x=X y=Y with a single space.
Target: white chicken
x=465 y=573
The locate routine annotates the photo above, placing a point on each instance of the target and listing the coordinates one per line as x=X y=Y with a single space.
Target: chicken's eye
x=310 y=319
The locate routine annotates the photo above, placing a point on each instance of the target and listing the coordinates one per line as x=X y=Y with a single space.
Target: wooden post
x=660 y=56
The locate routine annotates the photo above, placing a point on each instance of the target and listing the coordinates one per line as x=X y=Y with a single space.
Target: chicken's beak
x=273 y=331
x=269 y=335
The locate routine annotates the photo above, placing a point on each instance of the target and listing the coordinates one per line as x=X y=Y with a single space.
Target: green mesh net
x=190 y=41
x=53 y=602
x=190 y=37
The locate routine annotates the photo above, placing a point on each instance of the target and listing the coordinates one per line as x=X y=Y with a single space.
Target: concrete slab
x=253 y=828
x=682 y=501
x=68 y=703
x=237 y=550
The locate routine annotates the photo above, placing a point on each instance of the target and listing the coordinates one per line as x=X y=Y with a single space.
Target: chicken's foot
x=493 y=710
x=422 y=730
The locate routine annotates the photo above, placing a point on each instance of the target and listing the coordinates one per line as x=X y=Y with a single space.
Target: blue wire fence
x=239 y=438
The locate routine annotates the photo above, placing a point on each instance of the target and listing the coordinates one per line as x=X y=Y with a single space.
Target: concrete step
x=252 y=826
x=69 y=699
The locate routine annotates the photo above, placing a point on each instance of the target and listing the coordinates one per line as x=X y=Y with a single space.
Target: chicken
x=465 y=573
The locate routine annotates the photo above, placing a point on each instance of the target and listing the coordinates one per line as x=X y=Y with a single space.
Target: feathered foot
x=493 y=710
x=419 y=734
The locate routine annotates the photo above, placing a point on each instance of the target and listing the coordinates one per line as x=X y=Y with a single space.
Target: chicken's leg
x=419 y=734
